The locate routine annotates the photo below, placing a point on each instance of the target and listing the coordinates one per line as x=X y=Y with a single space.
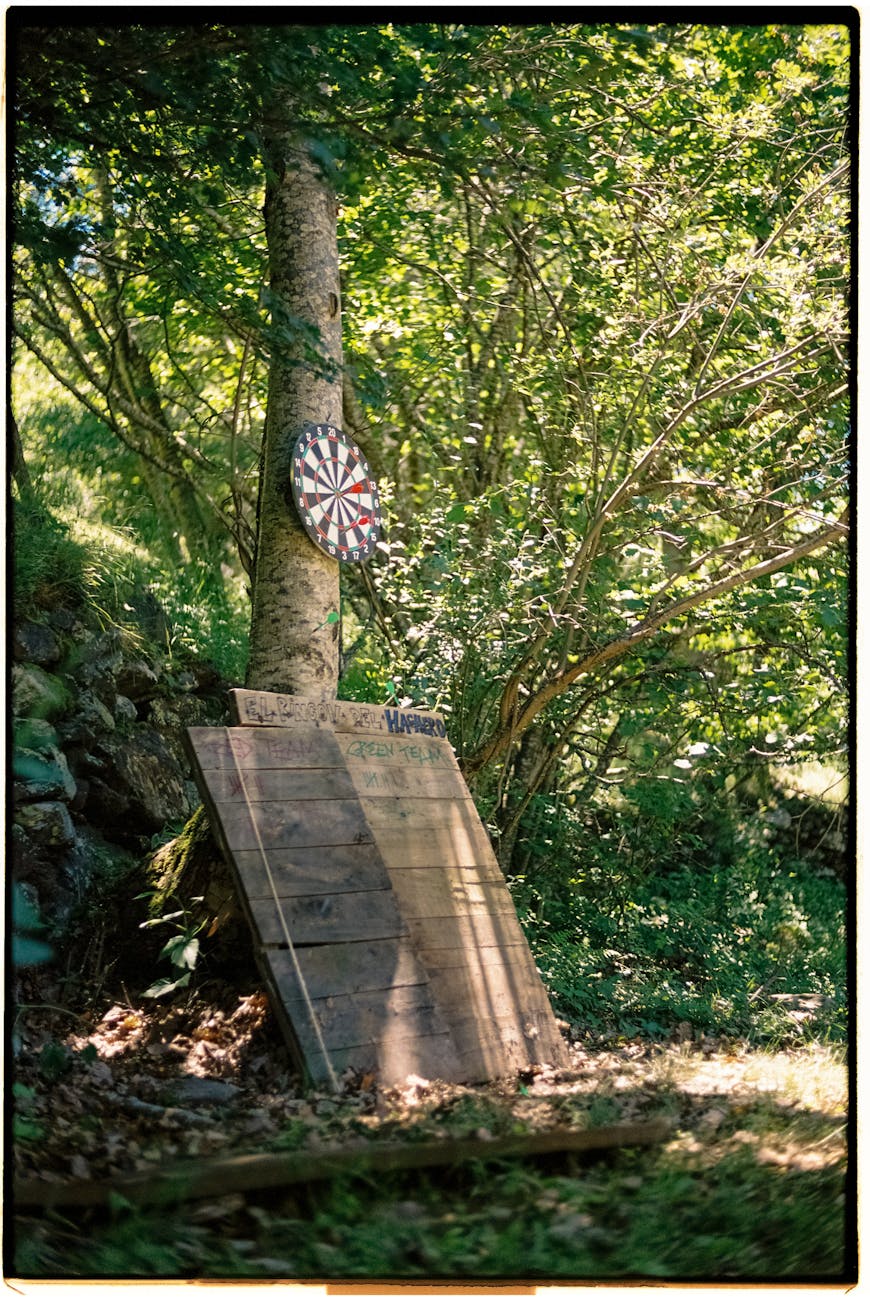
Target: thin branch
x=772 y=238
x=642 y=631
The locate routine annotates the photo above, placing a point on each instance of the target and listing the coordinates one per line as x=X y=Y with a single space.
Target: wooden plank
x=297 y=872
x=391 y=810
x=336 y=968
x=286 y=785
x=499 y=1050
x=392 y=1056
x=353 y=1020
x=529 y=1030
x=525 y=1031
x=433 y=847
x=275 y=709
x=488 y=997
x=372 y=978
x=438 y=833
x=247 y=748
x=426 y=894
x=470 y=934
x=304 y=825
x=392 y=1060
x=379 y=780
x=476 y=873
x=482 y=948
x=274 y=801
x=328 y=918
x=196 y=1179
x=405 y=938
x=399 y=752
x=410 y=722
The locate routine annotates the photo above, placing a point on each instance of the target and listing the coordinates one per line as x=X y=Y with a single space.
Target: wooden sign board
x=383 y=925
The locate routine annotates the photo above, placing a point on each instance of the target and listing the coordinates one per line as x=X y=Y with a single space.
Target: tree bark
x=18 y=467
x=296 y=586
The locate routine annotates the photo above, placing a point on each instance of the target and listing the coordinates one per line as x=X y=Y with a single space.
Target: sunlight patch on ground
x=813 y=1077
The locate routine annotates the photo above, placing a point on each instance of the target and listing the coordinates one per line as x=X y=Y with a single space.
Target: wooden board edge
x=191 y=1180
x=277 y=709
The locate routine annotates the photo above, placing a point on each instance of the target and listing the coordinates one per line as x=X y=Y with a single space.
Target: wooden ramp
x=383 y=925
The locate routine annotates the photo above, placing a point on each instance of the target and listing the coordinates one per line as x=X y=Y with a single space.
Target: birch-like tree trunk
x=293 y=646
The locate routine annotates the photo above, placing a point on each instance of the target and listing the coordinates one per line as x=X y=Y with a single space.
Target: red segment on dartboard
x=334 y=492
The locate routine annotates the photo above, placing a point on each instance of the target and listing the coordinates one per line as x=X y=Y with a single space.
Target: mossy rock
x=36 y=693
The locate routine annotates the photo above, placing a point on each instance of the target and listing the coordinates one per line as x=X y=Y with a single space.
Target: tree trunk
x=20 y=472
x=532 y=765
x=293 y=646
x=296 y=586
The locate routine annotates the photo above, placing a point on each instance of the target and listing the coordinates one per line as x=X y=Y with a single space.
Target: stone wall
x=99 y=769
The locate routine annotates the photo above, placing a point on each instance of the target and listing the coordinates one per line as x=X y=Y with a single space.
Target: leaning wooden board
x=384 y=927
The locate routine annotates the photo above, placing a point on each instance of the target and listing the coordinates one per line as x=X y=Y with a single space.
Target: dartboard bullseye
x=334 y=492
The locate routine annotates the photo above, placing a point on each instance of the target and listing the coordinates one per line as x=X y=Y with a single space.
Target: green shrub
x=207 y=616
x=662 y=920
x=104 y=570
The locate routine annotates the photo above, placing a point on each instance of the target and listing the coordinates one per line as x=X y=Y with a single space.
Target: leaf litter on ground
x=208 y=1076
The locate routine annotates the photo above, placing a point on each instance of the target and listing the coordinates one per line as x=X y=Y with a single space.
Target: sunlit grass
x=814 y=1077
x=102 y=537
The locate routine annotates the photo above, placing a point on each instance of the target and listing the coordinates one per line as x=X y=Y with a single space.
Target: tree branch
x=642 y=631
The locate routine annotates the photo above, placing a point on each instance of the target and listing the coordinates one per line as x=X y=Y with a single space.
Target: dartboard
x=335 y=494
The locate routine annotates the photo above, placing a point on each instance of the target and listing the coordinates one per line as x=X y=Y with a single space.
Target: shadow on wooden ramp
x=383 y=926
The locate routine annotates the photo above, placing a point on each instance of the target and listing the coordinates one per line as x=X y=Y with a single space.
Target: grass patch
x=83 y=564
x=49 y=564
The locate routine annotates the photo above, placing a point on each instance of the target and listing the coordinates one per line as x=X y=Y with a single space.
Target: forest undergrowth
x=750 y=1182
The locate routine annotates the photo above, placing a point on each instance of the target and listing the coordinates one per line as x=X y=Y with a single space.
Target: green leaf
x=26 y=1130
x=159 y=920
x=163 y=986
x=54 y=1060
x=182 y=950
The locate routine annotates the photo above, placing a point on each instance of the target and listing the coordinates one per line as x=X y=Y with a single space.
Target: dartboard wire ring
x=328 y=469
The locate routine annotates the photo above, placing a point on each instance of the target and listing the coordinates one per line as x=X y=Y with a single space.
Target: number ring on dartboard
x=335 y=494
